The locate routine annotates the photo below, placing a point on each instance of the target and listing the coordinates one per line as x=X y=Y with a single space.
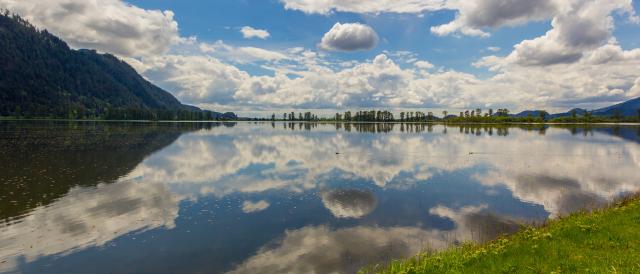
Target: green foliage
x=501 y=116
x=41 y=77
x=348 y=116
x=495 y=119
x=603 y=241
x=374 y=116
x=589 y=118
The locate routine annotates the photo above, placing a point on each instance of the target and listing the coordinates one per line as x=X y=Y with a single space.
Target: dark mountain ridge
x=627 y=108
x=40 y=76
x=630 y=108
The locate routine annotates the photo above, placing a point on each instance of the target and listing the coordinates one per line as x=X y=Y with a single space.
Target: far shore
x=325 y=121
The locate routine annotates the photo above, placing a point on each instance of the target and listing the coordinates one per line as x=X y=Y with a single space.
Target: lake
x=134 y=197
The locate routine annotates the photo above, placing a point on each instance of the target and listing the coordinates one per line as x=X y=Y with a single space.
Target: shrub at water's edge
x=602 y=241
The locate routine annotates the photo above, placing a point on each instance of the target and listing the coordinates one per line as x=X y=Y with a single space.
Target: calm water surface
x=98 y=197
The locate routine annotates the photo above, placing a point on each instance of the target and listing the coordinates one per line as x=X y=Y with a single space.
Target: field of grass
x=602 y=241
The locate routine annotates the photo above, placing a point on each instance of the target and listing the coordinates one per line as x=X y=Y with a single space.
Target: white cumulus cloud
x=240 y=55
x=249 y=32
x=349 y=37
x=578 y=29
x=395 y=6
x=474 y=16
x=107 y=25
x=423 y=64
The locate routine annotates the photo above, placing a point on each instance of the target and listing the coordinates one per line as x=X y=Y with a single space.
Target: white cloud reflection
x=559 y=171
x=321 y=249
x=251 y=207
x=349 y=203
x=549 y=170
x=87 y=217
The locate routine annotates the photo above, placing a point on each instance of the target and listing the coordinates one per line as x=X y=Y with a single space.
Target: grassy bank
x=603 y=241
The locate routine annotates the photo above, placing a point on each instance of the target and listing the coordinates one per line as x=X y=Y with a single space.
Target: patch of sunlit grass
x=601 y=241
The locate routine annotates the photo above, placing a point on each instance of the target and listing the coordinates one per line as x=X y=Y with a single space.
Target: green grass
x=603 y=241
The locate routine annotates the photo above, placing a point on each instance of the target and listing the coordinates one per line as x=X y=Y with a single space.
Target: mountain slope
x=40 y=76
x=628 y=108
x=529 y=113
x=577 y=111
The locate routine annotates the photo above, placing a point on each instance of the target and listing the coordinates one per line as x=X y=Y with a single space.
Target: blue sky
x=340 y=54
x=222 y=20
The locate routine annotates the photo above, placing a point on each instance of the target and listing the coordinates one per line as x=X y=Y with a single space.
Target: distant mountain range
x=40 y=76
x=625 y=109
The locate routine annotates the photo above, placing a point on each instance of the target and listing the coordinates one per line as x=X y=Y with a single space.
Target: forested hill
x=40 y=76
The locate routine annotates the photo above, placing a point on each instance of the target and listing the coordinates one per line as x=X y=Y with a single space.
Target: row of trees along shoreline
x=501 y=115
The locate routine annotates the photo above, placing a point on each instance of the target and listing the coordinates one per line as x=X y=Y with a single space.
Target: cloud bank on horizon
x=520 y=54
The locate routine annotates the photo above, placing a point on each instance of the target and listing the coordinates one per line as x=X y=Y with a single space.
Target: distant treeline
x=469 y=116
x=122 y=114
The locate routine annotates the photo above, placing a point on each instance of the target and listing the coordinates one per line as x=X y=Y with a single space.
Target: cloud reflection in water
x=87 y=217
x=362 y=205
x=321 y=249
x=349 y=203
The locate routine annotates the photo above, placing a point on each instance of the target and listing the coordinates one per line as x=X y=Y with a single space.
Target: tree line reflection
x=469 y=129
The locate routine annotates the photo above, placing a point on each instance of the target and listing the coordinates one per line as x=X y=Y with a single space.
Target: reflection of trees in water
x=348 y=127
x=43 y=160
x=469 y=129
x=616 y=131
x=624 y=131
x=373 y=127
x=479 y=130
x=216 y=124
x=627 y=132
x=499 y=130
x=416 y=128
x=366 y=127
x=300 y=126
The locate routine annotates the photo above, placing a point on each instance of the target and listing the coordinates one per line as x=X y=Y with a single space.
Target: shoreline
x=602 y=240
x=320 y=122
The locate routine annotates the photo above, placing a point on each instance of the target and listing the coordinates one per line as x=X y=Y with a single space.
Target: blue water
x=98 y=197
